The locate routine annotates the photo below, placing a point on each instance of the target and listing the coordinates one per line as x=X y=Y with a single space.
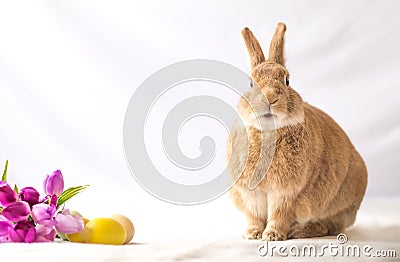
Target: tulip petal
x=30 y=235
x=16 y=211
x=68 y=224
x=30 y=195
x=54 y=183
x=4 y=228
x=23 y=231
x=54 y=200
x=4 y=239
x=43 y=214
x=45 y=234
x=45 y=182
x=15 y=236
x=7 y=195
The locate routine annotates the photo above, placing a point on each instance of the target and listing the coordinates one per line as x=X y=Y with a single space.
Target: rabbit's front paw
x=253 y=232
x=273 y=235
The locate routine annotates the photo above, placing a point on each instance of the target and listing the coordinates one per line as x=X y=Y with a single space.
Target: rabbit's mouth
x=268 y=115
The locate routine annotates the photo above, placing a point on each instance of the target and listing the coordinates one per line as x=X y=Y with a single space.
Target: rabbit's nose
x=269 y=112
x=268 y=115
x=268 y=108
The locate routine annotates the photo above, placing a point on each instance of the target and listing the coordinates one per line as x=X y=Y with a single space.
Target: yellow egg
x=104 y=231
x=78 y=237
x=73 y=212
x=127 y=224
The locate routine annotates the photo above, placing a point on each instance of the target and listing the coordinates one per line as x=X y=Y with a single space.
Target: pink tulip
x=4 y=239
x=54 y=200
x=54 y=183
x=4 y=228
x=23 y=231
x=67 y=223
x=49 y=199
x=43 y=214
x=45 y=233
x=7 y=195
x=30 y=195
x=16 y=211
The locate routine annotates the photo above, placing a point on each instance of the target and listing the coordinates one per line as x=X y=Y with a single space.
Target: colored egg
x=78 y=237
x=104 y=231
x=127 y=224
x=73 y=212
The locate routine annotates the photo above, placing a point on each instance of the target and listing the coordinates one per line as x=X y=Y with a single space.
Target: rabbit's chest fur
x=275 y=160
x=280 y=174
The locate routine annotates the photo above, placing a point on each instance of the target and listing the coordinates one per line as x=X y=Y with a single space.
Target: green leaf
x=16 y=189
x=4 y=177
x=61 y=236
x=69 y=193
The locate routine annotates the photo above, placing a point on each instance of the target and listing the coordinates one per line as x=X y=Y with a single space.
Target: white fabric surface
x=68 y=70
x=377 y=226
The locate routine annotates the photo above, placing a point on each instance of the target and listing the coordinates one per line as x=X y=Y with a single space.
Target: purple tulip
x=16 y=211
x=54 y=200
x=7 y=195
x=45 y=234
x=54 y=183
x=4 y=228
x=23 y=231
x=30 y=195
x=4 y=239
x=67 y=223
x=43 y=214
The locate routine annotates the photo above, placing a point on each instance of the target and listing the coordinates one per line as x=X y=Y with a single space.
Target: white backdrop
x=68 y=70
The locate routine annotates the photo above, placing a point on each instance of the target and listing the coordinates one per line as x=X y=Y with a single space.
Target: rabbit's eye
x=251 y=82
x=287 y=80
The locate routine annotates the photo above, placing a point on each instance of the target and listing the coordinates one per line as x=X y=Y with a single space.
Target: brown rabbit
x=297 y=173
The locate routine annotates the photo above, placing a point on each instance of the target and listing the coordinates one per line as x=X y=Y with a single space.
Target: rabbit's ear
x=253 y=47
x=276 y=49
